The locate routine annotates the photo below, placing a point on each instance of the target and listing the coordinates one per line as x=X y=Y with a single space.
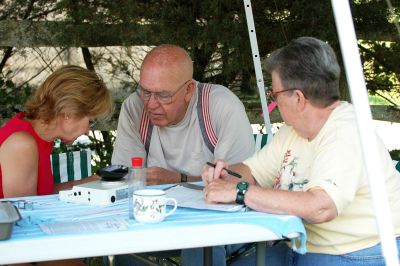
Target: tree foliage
x=213 y=31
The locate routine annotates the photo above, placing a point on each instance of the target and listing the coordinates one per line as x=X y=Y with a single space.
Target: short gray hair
x=310 y=65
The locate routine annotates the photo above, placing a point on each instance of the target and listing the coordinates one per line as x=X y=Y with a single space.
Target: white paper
x=84 y=226
x=193 y=198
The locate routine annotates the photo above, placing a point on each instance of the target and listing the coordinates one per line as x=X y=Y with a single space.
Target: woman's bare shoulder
x=21 y=142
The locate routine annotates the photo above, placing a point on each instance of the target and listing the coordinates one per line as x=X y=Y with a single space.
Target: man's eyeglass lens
x=161 y=96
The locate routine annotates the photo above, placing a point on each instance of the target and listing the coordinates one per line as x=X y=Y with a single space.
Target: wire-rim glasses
x=163 y=97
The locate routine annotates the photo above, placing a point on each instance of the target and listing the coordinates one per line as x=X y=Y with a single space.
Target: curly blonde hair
x=70 y=90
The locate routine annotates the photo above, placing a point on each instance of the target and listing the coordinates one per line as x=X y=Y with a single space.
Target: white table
x=186 y=228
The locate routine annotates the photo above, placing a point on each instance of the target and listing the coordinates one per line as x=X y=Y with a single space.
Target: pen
x=229 y=171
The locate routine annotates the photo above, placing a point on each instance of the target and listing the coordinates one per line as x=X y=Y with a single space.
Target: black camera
x=112 y=172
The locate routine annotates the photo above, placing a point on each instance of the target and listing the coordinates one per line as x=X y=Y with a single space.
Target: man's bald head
x=167 y=70
x=171 y=57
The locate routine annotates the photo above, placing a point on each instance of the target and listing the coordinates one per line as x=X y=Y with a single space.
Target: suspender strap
x=203 y=113
x=145 y=130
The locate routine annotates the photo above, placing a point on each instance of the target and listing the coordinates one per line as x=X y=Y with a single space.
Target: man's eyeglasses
x=163 y=97
x=274 y=95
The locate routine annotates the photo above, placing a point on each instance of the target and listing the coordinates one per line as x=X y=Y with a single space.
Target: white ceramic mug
x=149 y=205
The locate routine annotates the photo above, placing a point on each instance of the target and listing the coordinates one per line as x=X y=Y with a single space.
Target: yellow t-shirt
x=334 y=162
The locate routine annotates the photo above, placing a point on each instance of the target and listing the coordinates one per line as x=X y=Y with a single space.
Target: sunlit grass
x=384 y=98
x=377 y=100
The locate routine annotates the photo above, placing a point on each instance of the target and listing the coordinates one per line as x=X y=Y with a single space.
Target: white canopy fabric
x=359 y=97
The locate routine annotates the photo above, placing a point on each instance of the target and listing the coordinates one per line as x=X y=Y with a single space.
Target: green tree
x=213 y=31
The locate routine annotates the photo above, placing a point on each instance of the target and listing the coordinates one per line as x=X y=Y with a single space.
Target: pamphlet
x=70 y=227
x=193 y=198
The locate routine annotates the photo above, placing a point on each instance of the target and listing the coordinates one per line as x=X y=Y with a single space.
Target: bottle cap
x=137 y=161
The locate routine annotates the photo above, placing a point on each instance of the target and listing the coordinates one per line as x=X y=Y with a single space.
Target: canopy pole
x=257 y=66
x=359 y=96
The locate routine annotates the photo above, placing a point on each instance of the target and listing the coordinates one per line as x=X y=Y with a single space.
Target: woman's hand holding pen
x=215 y=176
x=221 y=181
x=217 y=170
x=210 y=173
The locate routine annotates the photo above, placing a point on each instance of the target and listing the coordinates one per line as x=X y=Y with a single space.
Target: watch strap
x=240 y=198
x=241 y=189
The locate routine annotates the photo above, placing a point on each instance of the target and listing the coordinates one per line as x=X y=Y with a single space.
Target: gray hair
x=310 y=65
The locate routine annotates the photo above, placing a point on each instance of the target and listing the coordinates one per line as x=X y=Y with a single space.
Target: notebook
x=192 y=197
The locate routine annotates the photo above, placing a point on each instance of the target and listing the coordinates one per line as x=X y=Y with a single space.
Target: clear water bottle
x=136 y=180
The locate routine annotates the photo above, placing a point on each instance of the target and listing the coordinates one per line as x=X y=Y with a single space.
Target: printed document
x=194 y=198
x=70 y=227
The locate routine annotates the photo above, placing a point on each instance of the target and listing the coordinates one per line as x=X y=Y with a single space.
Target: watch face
x=242 y=186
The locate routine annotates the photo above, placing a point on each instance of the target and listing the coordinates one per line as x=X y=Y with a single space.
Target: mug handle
x=175 y=206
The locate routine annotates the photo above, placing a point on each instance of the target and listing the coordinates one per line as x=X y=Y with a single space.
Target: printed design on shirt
x=330 y=181
x=287 y=178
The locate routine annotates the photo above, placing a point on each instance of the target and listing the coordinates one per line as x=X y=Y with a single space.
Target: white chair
x=397 y=165
x=71 y=165
x=261 y=140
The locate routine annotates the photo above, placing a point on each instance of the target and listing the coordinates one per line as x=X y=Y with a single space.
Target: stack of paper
x=194 y=198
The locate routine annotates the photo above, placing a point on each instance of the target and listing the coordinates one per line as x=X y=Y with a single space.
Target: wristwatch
x=241 y=189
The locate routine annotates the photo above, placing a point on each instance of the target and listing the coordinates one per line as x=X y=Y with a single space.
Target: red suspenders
x=203 y=113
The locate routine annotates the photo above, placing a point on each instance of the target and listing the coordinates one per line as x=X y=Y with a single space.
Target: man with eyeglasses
x=188 y=123
x=169 y=96
x=313 y=168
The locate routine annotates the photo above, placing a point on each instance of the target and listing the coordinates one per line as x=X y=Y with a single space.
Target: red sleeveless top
x=45 y=183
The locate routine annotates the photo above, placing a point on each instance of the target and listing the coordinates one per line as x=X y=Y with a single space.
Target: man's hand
x=157 y=175
x=220 y=191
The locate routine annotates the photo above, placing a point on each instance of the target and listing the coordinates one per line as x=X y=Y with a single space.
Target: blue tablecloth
x=48 y=209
